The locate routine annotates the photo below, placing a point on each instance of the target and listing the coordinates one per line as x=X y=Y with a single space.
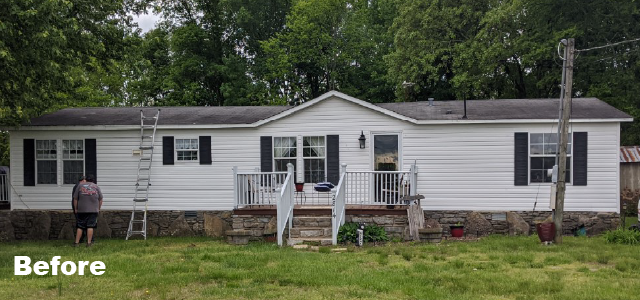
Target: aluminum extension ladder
x=138 y=222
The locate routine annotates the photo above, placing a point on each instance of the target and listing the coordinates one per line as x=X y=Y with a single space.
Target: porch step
x=311 y=221
x=319 y=241
x=311 y=232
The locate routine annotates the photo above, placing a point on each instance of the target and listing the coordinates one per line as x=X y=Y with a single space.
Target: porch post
x=290 y=196
x=279 y=216
x=414 y=180
x=235 y=186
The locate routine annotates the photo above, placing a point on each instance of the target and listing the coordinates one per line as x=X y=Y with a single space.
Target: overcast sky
x=146 y=22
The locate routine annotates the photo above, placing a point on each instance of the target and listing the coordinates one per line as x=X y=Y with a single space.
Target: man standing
x=75 y=214
x=87 y=201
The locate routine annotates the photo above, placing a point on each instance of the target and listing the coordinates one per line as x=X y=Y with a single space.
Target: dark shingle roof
x=203 y=115
x=507 y=109
x=510 y=109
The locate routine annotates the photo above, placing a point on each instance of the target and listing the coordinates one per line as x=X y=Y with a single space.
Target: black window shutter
x=29 y=161
x=167 y=150
x=580 y=158
x=90 y=158
x=521 y=158
x=333 y=158
x=266 y=154
x=205 y=150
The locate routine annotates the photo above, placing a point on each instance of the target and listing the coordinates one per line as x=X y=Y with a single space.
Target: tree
x=330 y=45
x=48 y=49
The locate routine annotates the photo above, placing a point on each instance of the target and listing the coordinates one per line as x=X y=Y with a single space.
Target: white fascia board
x=258 y=124
x=520 y=121
x=131 y=127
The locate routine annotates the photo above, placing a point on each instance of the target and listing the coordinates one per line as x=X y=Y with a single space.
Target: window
x=543 y=148
x=46 y=161
x=313 y=153
x=284 y=151
x=72 y=160
x=187 y=149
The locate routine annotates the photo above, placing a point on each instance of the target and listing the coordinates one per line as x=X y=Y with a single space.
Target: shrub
x=372 y=233
x=622 y=236
x=375 y=233
x=347 y=233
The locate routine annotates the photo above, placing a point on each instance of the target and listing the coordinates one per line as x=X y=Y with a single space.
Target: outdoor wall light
x=362 y=139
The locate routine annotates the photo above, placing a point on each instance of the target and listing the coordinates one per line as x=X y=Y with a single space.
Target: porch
x=370 y=189
x=356 y=192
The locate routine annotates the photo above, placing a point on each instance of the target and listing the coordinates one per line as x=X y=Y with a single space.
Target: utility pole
x=563 y=139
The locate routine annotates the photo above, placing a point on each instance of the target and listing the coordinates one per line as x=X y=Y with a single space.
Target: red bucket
x=546 y=231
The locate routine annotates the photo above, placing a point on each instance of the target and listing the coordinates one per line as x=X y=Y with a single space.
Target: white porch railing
x=5 y=188
x=380 y=187
x=285 y=201
x=338 y=211
x=256 y=188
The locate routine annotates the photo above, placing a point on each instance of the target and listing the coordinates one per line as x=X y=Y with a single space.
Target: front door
x=386 y=159
x=385 y=152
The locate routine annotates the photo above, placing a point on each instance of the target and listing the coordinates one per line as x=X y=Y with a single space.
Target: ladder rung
x=146 y=147
x=132 y=232
x=148 y=126
x=153 y=118
x=140 y=199
x=144 y=169
x=147 y=136
x=145 y=158
x=143 y=178
x=138 y=221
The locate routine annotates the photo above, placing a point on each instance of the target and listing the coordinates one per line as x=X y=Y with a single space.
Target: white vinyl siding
x=460 y=166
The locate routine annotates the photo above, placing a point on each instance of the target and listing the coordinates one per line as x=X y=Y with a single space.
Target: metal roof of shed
x=630 y=154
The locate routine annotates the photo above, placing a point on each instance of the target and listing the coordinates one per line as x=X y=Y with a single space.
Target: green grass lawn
x=496 y=267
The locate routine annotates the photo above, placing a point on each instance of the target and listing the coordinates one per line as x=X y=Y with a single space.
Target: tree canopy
x=61 y=53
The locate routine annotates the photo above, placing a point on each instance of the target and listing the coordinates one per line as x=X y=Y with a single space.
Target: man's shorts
x=87 y=220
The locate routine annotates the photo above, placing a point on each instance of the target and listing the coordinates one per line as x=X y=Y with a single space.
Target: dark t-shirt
x=89 y=196
x=73 y=192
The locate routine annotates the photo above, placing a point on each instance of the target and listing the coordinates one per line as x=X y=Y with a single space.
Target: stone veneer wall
x=42 y=225
x=594 y=222
x=39 y=225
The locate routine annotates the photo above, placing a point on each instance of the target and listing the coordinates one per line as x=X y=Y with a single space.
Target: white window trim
x=57 y=159
x=299 y=158
x=305 y=158
x=273 y=153
x=372 y=160
x=175 y=151
x=569 y=157
x=62 y=160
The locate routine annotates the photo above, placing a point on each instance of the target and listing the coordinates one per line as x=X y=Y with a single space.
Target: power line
x=608 y=45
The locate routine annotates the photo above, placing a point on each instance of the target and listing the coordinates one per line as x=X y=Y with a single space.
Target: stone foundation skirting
x=43 y=225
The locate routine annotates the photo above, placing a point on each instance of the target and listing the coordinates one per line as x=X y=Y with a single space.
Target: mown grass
x=496 y=267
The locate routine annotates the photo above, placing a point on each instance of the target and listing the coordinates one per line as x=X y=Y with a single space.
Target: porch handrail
x=284 y=204
x=5 y=188
x=255 y=187
x=379 y=187
x=259 y=173
x=339 y=202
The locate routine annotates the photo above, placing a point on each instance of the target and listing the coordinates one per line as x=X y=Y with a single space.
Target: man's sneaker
x=89 y=245
x=75 y=245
